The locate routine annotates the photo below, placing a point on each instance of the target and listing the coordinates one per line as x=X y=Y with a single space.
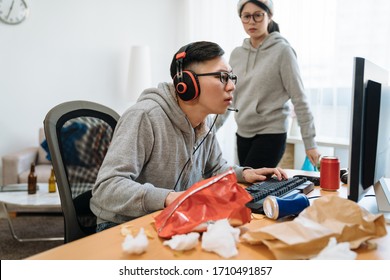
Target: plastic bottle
x=32 y=180
x=52 y=182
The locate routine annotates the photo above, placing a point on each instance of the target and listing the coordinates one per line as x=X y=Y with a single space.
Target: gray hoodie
x=151 y=145
x=267 y=78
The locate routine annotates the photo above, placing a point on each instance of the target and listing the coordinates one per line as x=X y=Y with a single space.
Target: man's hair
x=197 y=52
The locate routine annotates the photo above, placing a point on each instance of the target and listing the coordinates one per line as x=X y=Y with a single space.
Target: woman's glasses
x=257 y=17
x=224 y=77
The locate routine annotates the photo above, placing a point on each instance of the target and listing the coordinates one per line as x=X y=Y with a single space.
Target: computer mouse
x=343 y=171
x=344 y=178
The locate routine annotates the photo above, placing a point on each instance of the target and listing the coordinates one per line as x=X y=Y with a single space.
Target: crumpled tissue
x=183 y=242
x=336 y=251
x=135 y=245
x=221 y=238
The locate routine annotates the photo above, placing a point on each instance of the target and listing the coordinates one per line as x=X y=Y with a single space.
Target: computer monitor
x=369 y=154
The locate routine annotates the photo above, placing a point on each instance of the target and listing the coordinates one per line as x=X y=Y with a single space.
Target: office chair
x=78 y=134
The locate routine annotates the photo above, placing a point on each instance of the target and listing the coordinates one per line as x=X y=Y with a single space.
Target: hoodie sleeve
x=116 y=194
x=293 y=83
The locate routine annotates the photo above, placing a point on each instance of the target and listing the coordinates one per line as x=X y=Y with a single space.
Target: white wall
x=77 y=49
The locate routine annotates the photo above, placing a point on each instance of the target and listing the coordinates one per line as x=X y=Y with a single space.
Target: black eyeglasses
x=257 y=17
x=224 y=77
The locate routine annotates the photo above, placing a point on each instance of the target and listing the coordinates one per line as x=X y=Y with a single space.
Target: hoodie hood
x=253 y=53
x=164 y=97
x=269 y=41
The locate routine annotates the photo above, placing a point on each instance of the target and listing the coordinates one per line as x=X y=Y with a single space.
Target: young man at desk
x=166 y=142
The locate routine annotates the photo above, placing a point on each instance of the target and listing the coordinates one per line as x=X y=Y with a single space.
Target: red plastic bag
x=219 y=197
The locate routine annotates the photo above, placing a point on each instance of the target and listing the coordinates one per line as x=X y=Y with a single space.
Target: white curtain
x=326 y=35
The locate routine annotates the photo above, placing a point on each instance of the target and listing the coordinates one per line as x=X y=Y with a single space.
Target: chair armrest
x=17 y=162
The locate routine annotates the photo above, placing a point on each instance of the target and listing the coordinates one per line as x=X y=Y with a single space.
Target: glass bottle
x=52 y=182
x=32 y=180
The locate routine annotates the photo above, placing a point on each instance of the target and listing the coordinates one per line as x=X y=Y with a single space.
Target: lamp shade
x=139 y=74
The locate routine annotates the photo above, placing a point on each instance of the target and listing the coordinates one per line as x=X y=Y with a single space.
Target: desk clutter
x=219 y=237
x=213 y=199
x=328 y=229
x=310 y=232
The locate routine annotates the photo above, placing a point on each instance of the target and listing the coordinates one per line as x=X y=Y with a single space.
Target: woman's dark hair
x=272 y=26
x=196 y=52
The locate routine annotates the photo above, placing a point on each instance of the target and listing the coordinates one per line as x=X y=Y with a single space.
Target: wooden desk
x=107 y=244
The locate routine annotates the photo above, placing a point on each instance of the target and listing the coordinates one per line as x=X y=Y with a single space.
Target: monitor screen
x=382 y=162
x=368 y=131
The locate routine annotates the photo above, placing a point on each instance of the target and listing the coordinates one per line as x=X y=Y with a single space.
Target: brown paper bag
x=309 y=233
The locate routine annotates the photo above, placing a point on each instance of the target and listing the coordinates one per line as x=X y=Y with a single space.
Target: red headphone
x=186 y=82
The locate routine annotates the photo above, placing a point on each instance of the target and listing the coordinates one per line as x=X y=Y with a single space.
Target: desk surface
x=108 y=244
x=336 y=142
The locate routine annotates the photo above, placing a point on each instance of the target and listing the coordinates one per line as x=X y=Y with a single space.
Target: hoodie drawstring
x=254 y=62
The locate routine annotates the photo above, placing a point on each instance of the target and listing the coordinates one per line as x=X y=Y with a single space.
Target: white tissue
x=135 y=245
x=182 y=242
x=336 y=251
x=221 y=238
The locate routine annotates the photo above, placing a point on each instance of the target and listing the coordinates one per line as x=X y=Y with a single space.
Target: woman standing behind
x=268 y=77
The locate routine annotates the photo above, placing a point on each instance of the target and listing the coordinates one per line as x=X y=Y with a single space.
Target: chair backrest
x=78 y=134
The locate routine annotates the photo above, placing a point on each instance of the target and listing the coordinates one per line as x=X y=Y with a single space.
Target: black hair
x=197 y=52
x=272 y=26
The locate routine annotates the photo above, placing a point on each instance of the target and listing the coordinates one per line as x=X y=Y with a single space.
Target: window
x=326 y=35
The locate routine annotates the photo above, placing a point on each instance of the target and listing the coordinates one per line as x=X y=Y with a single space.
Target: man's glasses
x=224 y=77
x=257 y=17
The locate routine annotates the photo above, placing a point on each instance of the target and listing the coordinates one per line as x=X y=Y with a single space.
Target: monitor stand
x=382 y=194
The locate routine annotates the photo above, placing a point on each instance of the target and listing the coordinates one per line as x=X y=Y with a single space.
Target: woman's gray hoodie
x=267 y=78
x=152 y=143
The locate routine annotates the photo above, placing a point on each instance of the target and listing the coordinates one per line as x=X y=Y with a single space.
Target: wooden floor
x=29 y=226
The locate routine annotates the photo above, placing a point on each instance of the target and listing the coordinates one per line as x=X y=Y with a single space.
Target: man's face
x=216 y=95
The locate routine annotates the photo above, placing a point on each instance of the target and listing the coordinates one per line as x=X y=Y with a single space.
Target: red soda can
x=330 y=173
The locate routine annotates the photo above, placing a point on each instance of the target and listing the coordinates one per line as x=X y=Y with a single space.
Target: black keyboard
x=259 y=191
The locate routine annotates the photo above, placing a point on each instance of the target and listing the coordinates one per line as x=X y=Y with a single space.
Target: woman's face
x=257 y=30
